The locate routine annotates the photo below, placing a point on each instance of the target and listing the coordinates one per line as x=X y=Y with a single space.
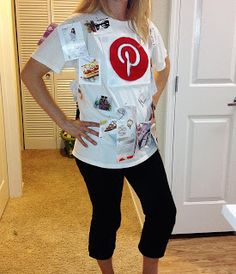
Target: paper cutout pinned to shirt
x=89 y=71
x=152 y=36
x=126 y=133
x=98 y=26
x=144 y=134
x=72 y=41
x=103 y=103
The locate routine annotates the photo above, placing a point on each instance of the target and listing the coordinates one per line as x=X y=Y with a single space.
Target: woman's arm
x=161 y=78
x=32 y=76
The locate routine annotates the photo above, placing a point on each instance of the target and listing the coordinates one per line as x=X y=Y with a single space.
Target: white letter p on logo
x=127 y=56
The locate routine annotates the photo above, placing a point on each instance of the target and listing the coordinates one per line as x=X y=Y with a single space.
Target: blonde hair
x=138 y=12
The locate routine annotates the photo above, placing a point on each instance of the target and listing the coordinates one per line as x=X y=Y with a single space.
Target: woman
x=116 y=52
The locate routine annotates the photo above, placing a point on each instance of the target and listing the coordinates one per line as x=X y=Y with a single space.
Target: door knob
x=48 y=76
x=233 y=103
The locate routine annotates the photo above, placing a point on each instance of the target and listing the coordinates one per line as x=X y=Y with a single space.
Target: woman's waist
x=127 y=112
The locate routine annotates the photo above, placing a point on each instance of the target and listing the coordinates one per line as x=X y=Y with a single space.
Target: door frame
x=173 y=42
x=10 y=90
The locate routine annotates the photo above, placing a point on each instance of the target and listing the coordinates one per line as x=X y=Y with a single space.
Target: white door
x=4 y=190
x=204 y=161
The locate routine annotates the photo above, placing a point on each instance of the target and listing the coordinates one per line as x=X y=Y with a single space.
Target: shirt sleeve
x=159 y=52
x=50 y=53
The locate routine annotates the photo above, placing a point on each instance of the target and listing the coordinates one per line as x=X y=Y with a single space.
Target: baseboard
x=201 y=235
x=4 y=196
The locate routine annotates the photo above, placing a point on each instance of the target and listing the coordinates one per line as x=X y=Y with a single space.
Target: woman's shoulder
x=154 y=30
x=153 y=26
x=75 y=17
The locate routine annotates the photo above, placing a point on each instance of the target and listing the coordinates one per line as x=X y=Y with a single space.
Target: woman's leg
x=106 y=266
x=150 y=265
x=158 y=207
x=105 y=192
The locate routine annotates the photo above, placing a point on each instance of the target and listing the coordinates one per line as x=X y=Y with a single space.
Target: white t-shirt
x=115 y=81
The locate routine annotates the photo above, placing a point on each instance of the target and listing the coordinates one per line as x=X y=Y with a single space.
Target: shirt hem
x=117 y=165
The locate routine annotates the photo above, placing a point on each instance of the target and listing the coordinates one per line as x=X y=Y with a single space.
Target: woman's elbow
x=24 y=74
x=27 y=72
x=33 y=69
x=167 y=61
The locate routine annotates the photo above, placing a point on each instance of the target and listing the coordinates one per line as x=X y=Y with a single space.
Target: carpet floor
x=46 y=230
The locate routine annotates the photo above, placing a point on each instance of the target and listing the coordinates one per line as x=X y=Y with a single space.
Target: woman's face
x=114 y=4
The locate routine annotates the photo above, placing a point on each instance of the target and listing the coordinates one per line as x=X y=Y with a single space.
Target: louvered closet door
x=63 y=95
x=33 y=16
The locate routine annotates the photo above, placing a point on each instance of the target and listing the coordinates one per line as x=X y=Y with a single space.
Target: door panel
x=214 y=39
x=205 y=126
x=62 y=9
x=33 y=16
x=202 y=155
x=32 y=19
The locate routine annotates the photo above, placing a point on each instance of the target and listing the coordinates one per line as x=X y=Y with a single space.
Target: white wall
x=161 y=16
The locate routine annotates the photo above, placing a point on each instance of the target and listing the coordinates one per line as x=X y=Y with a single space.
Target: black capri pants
x=149 y=181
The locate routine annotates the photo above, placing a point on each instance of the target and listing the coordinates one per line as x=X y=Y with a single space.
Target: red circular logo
x=128 y=58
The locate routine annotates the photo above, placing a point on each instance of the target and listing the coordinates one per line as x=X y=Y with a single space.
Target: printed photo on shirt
x=106 y=127
x=144 y=134
x=103 y=103
x=89 y=71
x=72 y=41
x=111 y=126
x=98 y=26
